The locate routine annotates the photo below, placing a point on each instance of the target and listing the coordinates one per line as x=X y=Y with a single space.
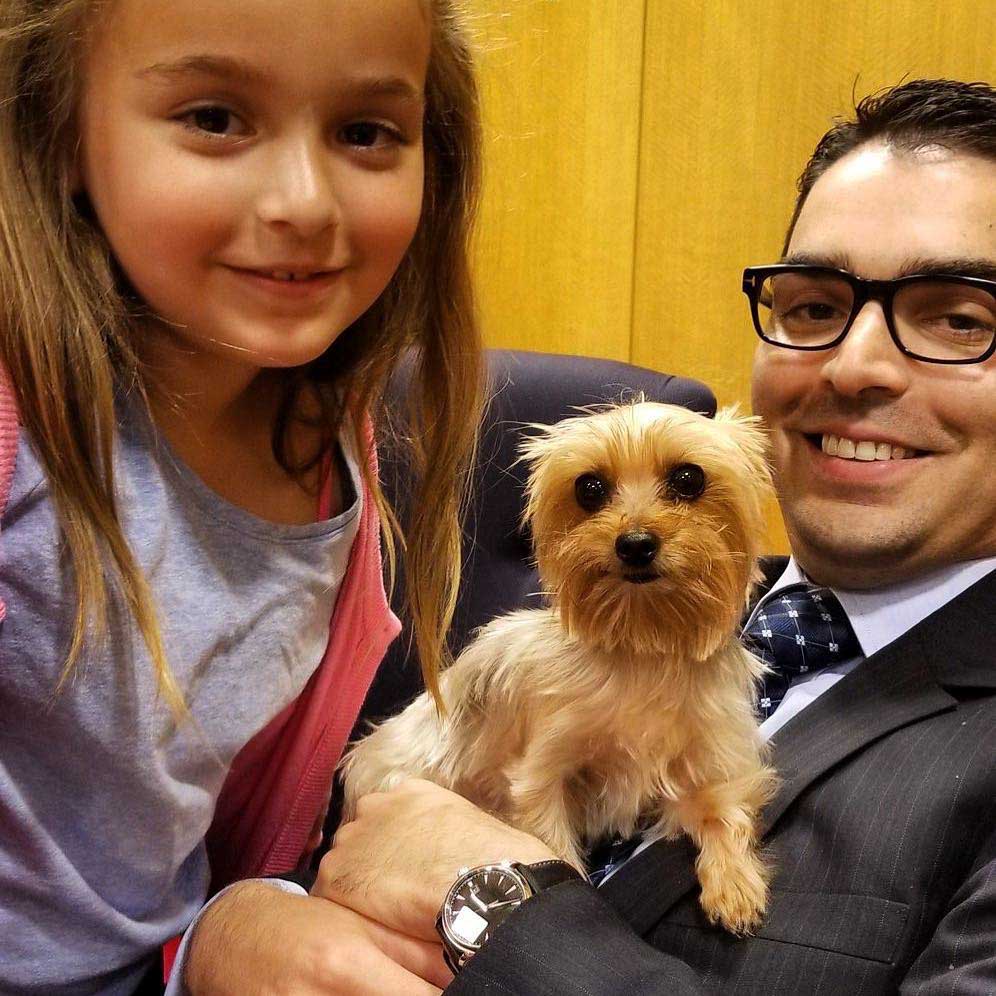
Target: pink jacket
x=278 y=788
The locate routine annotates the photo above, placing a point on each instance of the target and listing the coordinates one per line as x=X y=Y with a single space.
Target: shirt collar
x=881 y=615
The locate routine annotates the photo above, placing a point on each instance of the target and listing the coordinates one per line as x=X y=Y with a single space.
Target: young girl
x=222 y=224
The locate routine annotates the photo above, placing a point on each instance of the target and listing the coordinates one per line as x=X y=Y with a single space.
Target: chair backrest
x=498 y=573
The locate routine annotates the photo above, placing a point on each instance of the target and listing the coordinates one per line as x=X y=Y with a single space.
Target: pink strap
x=325 y=492
x=9 y=433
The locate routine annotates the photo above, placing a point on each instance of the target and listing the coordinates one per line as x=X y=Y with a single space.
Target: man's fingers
x=422 y=958
x=371 y=960
x=383 y=977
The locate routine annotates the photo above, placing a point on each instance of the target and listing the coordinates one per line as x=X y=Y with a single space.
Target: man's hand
x=397 y=859
x=257 y=939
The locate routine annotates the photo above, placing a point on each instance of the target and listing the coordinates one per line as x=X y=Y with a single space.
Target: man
x=880 y=393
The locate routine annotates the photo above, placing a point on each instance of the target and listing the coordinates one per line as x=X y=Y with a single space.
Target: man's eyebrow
x=836 y=261
x=940 y=266
x=229 y=68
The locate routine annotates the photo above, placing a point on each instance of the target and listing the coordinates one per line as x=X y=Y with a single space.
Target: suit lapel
x=897 y=686
x=891 y=689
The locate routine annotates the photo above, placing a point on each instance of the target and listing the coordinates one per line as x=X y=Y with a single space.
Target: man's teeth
x=864 y=449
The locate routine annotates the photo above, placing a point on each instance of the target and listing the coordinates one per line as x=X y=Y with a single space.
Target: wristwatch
x=481 y=898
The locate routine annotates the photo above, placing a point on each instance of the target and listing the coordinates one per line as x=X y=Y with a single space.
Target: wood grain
x=561 y=86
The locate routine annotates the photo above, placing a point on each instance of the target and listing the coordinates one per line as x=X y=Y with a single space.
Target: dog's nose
x=637 y=549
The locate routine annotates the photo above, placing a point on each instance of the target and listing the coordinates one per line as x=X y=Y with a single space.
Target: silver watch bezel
x=446 y=911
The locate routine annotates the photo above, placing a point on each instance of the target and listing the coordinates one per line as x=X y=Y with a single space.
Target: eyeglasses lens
x=944 y=320
x=804 y=309
x=933 y=318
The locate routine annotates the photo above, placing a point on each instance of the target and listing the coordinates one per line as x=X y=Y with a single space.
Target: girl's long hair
x=65 y=332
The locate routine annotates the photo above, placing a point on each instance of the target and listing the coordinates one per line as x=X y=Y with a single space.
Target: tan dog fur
x=620 y=705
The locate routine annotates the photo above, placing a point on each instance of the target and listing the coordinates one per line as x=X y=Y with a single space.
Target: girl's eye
x=369 y=135
x=214 y=121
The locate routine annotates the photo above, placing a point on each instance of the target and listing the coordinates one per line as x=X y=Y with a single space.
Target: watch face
x=479 y=901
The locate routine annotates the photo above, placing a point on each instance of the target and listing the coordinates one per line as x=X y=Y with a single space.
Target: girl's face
x=256 y=165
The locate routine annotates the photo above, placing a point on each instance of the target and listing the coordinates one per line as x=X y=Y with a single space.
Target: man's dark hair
x=957 y=116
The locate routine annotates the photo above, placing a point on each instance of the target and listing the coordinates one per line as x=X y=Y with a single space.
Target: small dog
x=628 y=702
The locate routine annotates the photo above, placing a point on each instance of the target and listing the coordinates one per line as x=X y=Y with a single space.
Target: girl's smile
x=285 y=284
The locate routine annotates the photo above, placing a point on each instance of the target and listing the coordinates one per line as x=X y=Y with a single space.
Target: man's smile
x=853 y=467
x=862 y=449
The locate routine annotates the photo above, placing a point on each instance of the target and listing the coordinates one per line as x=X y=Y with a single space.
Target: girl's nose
x=299 y=193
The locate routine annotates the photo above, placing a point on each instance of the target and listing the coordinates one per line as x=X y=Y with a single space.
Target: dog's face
x=646 y=522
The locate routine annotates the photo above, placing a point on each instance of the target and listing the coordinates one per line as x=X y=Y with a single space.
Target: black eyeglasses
x=937 y=319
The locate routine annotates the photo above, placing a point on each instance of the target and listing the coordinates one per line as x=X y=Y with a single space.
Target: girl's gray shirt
x=104 y=802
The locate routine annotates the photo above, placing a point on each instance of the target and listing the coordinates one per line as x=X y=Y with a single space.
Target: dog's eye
x=591 y=492
x=687 y=481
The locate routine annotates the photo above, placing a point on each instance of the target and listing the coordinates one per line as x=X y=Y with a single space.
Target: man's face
x=882 y=214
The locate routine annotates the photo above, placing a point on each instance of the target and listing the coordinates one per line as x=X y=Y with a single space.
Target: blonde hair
x=65 y=331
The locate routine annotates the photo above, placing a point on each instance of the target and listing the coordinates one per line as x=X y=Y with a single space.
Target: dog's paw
x=736 y=899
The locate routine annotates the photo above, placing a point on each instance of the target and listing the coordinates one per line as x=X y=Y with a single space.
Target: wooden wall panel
x=561 y=82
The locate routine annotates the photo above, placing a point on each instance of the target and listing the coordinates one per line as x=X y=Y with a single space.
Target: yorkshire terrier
x=627 y=703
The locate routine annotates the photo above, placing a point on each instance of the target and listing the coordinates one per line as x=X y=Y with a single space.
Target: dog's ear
x=753 y=492
x=536 y=450
x=750 y=451
x=537 y=443
x=747 y=432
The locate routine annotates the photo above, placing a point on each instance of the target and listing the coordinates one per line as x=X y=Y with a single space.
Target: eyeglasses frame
x=883 y=291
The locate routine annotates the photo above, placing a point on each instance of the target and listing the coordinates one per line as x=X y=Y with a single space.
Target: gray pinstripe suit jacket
x=883 y=837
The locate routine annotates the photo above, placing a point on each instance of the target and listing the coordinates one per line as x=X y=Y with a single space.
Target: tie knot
x=797 y=631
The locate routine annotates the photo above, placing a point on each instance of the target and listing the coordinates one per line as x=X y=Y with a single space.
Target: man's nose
x=300 y=191
x=868 y=359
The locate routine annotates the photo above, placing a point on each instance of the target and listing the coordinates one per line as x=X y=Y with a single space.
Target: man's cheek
x=770 y=382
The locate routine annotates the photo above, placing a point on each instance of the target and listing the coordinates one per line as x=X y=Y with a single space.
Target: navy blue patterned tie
x=800 y=630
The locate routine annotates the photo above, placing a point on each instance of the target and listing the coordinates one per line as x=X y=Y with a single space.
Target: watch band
x=545 y=874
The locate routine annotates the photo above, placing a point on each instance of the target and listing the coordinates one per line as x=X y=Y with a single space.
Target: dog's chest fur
x=616 y=730
x=620 y=785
